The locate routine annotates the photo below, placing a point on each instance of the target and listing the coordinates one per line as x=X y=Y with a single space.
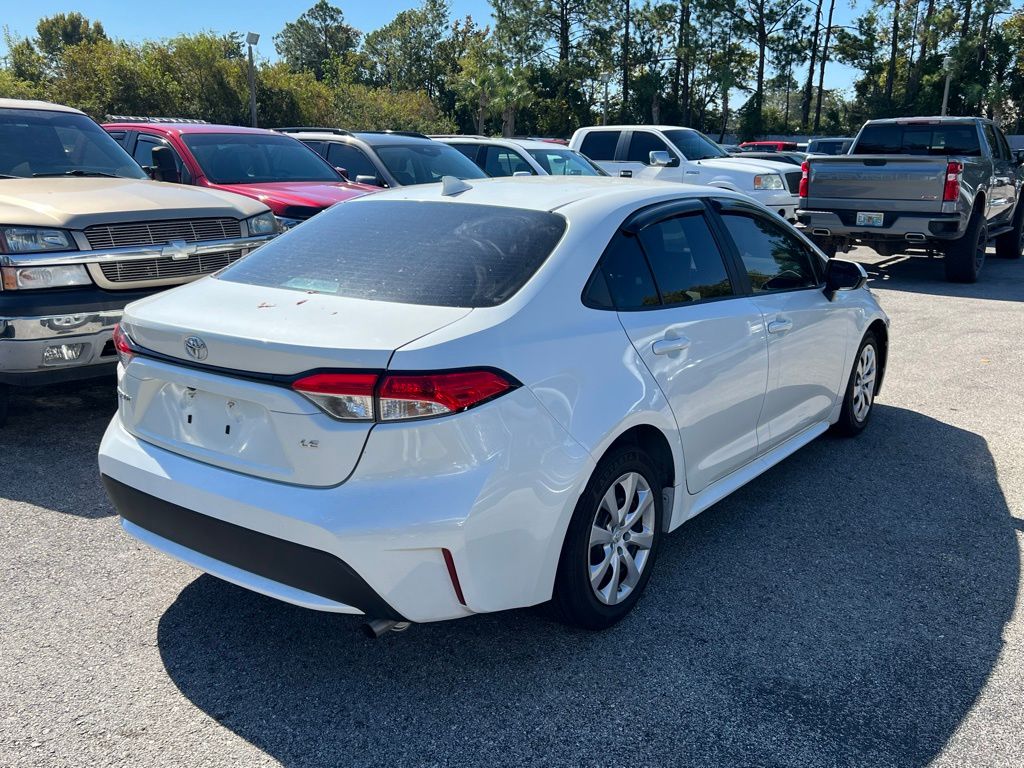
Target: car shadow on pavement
x=46 y=426
x=1000 y=279
x=845 y=608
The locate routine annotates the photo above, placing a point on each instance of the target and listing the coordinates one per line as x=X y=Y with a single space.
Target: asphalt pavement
x=858 y=605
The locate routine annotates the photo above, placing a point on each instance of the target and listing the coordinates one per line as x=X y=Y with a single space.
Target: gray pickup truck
x=934 y=185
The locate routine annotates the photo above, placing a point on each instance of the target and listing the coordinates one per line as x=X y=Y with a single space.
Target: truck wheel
x=826 y=245
x=1009 y=245
x=965 y=257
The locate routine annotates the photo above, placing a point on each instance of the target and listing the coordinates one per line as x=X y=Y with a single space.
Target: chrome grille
x=166 y=268
x=102 y=236
x=793 y=180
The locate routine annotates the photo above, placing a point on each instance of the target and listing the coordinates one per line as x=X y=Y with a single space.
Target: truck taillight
x=399 y=396
x=951 y=189
x=805 y=178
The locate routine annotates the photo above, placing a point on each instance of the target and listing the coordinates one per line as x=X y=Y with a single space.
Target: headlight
x=286 y=223
x=35 y=240
x=26 y=278
x=264 y=224
x=768 y=181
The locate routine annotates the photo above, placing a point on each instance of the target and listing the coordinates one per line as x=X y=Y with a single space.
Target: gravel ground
x=857 y=605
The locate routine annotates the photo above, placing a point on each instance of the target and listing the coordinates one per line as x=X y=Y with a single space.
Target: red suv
x=279 y=171
x=768 y=146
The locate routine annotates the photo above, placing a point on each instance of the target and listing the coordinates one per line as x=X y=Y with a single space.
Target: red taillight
x=346 y=396
x=805 y=178
x=393 y=397
x=405 y=396
x=951 y=189
x=123 y=345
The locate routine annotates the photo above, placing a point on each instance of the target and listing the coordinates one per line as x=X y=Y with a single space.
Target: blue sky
x=134 y=21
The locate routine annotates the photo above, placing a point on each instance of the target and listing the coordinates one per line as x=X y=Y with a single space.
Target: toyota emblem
x=196 y=348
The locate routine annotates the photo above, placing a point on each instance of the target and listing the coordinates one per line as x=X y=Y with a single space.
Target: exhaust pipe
x=376 y=628
x=915 y=237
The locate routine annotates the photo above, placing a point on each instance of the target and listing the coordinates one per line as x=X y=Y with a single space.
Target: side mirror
x=373 y=181
x=342 y=171
x=841 y=275
x=522 y=173
x=660 y=159
x=165 y=169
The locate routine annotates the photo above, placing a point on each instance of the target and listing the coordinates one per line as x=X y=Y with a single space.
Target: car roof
x=373 y=138
x=33 y=104
x=638 y=127
x=550 y=193
x=933 y=119
x=183 y=128
x=500 y=141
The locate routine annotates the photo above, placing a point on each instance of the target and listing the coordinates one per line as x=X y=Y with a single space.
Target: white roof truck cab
x=686 y=156
x=84 y=231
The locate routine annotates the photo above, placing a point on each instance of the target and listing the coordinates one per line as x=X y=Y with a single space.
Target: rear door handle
x=780 y=325
x=670 y=344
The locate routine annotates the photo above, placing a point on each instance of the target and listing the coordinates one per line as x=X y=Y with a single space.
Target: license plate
x=870 y=219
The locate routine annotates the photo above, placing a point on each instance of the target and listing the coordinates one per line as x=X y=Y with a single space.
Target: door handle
x=780 y=325
x=670 y=344
x=693 y=173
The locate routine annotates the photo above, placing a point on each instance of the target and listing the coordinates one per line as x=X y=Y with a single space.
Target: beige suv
x=84 y=231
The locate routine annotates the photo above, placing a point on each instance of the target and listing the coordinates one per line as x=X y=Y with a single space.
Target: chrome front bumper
x=24 y=342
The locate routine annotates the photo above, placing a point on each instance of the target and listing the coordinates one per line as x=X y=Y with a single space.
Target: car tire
x=1010 y=245
x=595 y=587
x=859 y=400
x=965 y=257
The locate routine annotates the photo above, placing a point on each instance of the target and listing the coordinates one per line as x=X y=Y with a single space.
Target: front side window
x=565 y=162
x=38 y=142
x=499 y=161
x=600 y=145
x=641 y=144
x=143 y=154
x=774 y=259
x=685 y=259
x=352 y=159
x=248 y=158
x=426 y=163
x=410 y=252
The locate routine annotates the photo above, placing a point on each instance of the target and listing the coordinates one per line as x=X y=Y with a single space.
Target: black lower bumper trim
x=288 y=563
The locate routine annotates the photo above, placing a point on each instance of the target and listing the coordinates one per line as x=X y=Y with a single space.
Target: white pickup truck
x=686 y=156
x=84 y=231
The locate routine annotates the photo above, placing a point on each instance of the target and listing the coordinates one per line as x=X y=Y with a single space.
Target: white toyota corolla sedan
x=445 y=400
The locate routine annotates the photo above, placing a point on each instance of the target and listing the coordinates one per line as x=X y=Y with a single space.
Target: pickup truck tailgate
x=876 y=183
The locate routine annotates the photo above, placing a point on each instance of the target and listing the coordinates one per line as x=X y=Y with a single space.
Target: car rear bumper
x=897 y=226
x=495 y=486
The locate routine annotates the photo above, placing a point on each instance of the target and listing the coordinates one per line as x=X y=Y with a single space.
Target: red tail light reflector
x=123 y=345
x=805 y=178
x=347 y=396
x=404 y=396
x=951 y=189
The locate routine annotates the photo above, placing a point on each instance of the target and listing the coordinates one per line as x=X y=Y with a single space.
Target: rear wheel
x=860 y=390
x=965 y=257
x=1010 y=245
x=612 y=541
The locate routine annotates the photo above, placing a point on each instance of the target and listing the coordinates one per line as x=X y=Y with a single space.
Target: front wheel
x=612 y=541
x=1010 y=245
x=860 y=390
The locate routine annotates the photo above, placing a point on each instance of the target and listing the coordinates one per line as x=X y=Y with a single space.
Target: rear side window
x=600 y=145
x=919 y=139
x=627 y=276
x=775 y=260
x=641 y=144
x=411 y=252
x=686 y=261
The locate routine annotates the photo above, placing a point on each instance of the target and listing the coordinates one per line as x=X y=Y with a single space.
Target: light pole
x=947 y=65
x=605 y=79
x=252 y=38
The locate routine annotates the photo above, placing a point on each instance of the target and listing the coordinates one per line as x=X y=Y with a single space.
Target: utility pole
x=252 y=38
x=605 y=79
x=947 y=64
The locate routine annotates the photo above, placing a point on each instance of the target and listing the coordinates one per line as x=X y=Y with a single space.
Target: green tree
x=316 y=38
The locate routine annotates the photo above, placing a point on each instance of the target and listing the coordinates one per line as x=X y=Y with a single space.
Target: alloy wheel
x=864 y=383
x=621 y=537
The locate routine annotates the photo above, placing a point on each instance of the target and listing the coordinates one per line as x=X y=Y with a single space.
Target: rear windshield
x=918 y=139
x=443 y=254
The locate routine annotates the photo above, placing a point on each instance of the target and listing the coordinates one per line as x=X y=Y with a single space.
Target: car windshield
x=40 y=142
x=919 y=139
x=249 y=158
x=426 y=162
x=410 y=252
x=565 y=162
x=695 y=145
